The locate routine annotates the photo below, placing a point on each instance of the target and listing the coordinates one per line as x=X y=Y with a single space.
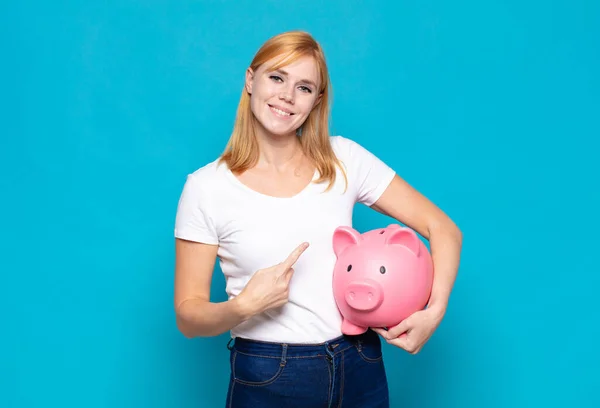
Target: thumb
x=399 y=329
x=382 y=332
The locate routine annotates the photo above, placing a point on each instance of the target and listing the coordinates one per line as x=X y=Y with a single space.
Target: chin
x=279 y=131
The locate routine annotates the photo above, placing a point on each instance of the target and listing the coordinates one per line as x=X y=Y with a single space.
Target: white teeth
x=281 y=112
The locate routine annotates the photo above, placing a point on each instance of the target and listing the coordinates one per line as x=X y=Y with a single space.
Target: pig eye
x=349 y=268
x=382 y=269
x=381 y=232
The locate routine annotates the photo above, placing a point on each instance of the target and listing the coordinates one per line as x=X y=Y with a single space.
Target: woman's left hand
x=414 y=331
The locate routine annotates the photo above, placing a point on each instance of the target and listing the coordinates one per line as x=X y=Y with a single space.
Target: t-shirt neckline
x=311 y=184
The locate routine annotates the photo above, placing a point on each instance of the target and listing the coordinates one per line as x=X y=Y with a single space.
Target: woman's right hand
x=269 y=287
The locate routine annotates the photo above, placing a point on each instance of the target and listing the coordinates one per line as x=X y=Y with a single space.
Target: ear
x=405 y=237
x=249 y=80
x=344 y=237
x=318 y=100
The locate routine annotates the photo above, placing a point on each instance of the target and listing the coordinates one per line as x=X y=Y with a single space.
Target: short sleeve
x=368 y=174
x=193 y=221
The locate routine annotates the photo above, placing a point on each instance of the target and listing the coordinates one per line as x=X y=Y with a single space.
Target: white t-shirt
x=255 y=231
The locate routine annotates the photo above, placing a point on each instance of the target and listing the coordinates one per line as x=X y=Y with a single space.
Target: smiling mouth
x=280 y=112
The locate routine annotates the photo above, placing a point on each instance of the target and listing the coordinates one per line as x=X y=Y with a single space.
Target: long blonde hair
x=241 y=152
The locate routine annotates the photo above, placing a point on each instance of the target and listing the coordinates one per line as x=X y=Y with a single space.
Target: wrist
x=242 y=307
x=437 y=308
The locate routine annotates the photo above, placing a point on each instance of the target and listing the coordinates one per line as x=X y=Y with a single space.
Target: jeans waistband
x=291 y=350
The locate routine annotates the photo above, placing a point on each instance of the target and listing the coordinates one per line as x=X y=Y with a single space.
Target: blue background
x=491 y=109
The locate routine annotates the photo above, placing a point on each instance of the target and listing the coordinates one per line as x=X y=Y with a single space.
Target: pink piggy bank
x=380 y=277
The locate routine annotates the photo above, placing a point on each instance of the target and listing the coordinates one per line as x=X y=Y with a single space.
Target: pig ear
x=405 y=237
x=344 y=237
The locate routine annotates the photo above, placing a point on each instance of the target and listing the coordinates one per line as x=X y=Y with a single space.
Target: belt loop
x=229 y=346
x=284 y=354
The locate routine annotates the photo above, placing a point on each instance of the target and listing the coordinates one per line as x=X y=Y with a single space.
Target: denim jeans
x=345 y=372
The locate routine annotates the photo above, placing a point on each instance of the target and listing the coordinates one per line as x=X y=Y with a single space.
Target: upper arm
x=407 y=205
x=196 y=243
x=194 y=265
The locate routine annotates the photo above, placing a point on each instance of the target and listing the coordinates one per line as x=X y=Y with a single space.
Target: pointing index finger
x=293 y=257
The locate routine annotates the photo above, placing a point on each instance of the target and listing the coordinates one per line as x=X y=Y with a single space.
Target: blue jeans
x=344 y=372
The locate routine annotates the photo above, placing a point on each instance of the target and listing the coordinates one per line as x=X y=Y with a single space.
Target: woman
x=267 y=208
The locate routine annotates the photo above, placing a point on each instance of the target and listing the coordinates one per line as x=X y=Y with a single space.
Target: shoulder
x=195 y=217
x=208 y=175
x=202 y=183
x=346 y=148
x=340 y=143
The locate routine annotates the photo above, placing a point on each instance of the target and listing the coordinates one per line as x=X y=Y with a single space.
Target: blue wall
x=489 y=108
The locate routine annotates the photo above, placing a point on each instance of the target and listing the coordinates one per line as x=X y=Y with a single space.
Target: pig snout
x=364 y=295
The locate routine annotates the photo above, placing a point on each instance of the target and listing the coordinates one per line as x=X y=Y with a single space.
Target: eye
x=305 y=89
x=349 y=268
x=276 y=78
x=382 y=269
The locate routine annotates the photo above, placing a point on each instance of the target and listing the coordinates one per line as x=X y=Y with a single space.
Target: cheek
x=305 y=104
x=254 y=103
x=262 y=91
x=259 y=97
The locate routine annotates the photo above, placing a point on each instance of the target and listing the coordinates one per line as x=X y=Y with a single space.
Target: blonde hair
x=241 y=152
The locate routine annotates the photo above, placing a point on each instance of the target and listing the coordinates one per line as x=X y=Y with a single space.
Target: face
x=282 y=99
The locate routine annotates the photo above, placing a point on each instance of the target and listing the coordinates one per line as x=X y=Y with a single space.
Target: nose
x=364 y=295
x=287 y=95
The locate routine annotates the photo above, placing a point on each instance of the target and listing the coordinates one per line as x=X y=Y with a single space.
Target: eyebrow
x=308 y=81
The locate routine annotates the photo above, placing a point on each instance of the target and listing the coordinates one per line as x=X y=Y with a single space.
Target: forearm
x=445 y=245
x=201 y=318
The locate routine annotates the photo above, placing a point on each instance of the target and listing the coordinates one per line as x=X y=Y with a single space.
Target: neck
x=278 y=151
